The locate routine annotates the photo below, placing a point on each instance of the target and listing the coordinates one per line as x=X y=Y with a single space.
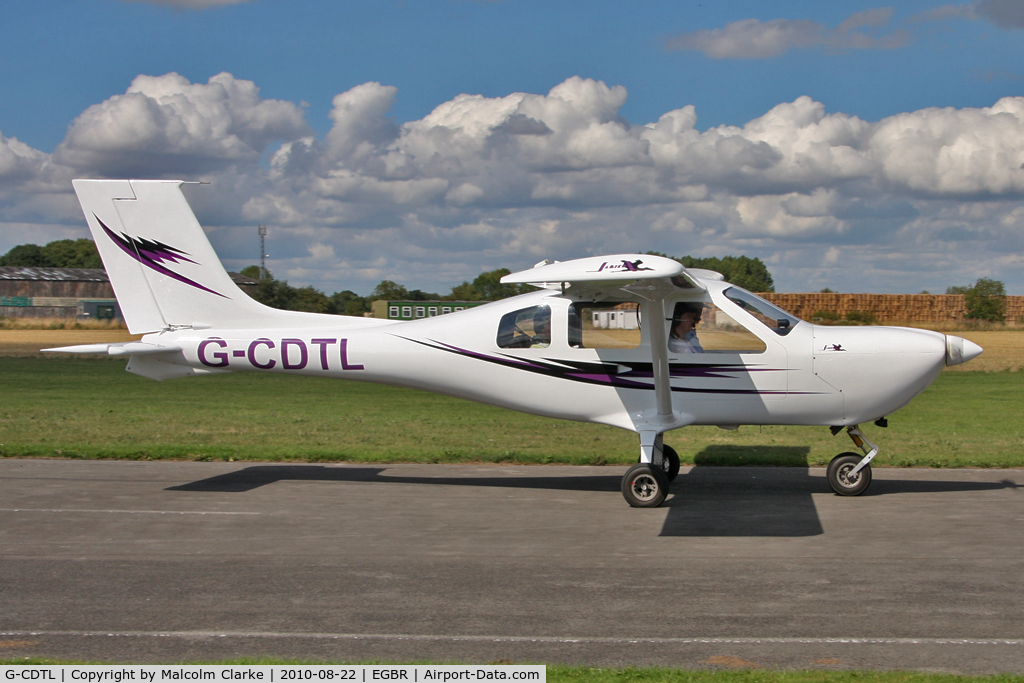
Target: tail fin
x=163 y=270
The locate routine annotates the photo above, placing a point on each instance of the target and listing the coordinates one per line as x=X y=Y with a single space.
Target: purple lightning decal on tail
x=152 y=254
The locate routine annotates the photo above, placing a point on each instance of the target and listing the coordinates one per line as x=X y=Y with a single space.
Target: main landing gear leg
x=849 y=474
x=646 y=484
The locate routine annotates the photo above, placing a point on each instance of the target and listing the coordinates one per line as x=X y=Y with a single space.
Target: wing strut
x=655 y=312
x=652 y=294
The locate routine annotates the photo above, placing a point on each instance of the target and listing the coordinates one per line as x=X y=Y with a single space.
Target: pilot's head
x=685 y=317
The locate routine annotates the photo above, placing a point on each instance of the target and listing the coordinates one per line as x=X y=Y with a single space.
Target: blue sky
x=879 y=188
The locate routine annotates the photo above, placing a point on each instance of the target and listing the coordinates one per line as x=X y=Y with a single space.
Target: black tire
x=669 y=463
x=838 y=475
x=644 y=486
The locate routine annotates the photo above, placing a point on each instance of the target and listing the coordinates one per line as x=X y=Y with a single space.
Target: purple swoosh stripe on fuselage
x=561 y=372
x=505 y=360
x=706 y=371
x=127 y=245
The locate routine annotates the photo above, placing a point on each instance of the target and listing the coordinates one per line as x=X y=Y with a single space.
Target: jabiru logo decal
x=627 y=266
x=153 y=254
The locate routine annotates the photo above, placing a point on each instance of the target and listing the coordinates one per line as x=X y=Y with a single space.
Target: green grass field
x=91 y=408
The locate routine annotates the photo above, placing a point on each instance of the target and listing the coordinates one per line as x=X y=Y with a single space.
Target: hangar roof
x=53 y=274
x=79 y=275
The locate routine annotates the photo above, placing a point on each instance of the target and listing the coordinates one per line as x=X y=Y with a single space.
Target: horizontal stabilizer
x=117 y=349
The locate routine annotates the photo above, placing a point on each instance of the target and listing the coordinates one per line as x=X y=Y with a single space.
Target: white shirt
x=688 y=343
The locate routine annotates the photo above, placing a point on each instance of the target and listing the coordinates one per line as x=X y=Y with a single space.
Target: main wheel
x=644 y=486
x=839 y=477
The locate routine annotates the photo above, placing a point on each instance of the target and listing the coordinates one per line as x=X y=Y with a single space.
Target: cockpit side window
x=526 y=328
x=773 y=317
x=714 y=331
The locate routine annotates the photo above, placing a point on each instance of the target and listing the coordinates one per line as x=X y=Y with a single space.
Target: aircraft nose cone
x=960 y=350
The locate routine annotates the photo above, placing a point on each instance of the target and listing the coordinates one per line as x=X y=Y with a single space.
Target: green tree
x=279 y=294
x=27 y=256
x=986 y=300
x=389 y=290
x=310 y=300
x=746 y=272
x=80 y=253
x=347 y=303
x=270 y=291
x=464 y=292
x=487 y=287
x=274 y=293
x=418 y=295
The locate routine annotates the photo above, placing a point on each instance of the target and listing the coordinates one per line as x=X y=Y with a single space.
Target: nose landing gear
x=849 y=474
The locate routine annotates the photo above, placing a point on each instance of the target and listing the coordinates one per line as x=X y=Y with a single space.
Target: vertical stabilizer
x=163 y=269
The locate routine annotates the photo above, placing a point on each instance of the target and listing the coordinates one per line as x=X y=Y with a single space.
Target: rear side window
x=527 y=328
x=604 y=325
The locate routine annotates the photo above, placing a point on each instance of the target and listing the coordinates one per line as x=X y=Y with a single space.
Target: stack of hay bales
x=889 y=309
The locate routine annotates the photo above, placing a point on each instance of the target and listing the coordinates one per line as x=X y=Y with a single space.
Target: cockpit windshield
x=776 y=319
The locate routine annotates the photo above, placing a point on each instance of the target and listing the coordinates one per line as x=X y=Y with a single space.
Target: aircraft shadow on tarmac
x=709 y=500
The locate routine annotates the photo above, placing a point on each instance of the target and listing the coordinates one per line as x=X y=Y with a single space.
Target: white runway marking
x=522 y=639
x=131 y=512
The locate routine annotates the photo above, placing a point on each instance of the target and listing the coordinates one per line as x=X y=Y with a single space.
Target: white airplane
x=604 y=339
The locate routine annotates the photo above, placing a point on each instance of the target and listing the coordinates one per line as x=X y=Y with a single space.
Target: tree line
x=279 y=294
x=985 y=299
x=80 y=253
x=742 y=271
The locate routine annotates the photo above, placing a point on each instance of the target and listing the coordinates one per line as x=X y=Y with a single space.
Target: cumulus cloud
x=165 y=124
x=755 y=39
x=950 y=152
x=485 y=182
x=18 y=161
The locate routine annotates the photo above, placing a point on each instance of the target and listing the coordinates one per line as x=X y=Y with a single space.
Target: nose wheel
x=843 y=480
x=849 y=474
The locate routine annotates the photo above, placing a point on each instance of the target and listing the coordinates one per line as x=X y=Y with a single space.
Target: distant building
x=70 y=293
x=413 y=310
x=616 y=319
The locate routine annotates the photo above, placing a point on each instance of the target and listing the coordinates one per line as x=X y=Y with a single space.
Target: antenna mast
x=263 y=250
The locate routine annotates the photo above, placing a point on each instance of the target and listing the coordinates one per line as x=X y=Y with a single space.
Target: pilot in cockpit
x=683 y=338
